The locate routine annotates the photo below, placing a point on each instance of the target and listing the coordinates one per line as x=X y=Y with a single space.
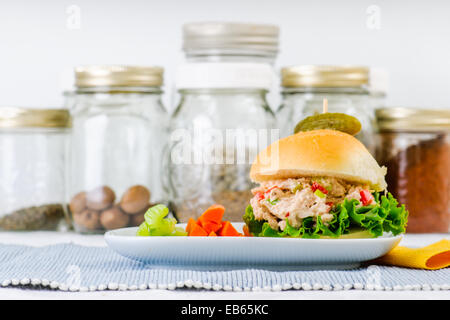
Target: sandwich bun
x=325 y=152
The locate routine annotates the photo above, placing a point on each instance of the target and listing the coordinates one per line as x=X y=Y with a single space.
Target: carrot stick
x=228 y=230
x=197 y=231
x=213 y=213
x=210 y=226
x=189 y=225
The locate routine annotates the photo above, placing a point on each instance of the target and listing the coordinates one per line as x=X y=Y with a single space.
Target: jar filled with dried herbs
x=33 y=148
x=216 y=131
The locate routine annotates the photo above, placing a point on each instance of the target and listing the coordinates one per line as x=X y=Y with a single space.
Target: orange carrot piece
x=213 y=213
x=228 y=230
x=246 y=231
x=210 y=226
x=197 y=231
x=212 y=234
x=189 y=225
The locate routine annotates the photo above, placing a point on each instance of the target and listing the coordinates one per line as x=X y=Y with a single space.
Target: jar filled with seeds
x=216 y=131
x=33 y=148
x=119 y=127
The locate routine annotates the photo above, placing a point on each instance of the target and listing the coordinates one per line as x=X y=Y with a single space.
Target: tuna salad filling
x=292 y=200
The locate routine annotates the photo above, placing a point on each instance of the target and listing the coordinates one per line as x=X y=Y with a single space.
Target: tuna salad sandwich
x=321 y=184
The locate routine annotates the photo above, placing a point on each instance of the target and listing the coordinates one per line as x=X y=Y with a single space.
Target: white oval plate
x=247 y=251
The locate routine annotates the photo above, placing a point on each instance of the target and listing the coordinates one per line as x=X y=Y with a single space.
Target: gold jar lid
x=14 y=117
x=324 y=76
x=411 y=119
x=118 y=76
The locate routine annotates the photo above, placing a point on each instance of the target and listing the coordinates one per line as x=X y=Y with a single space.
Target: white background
x=39 y=45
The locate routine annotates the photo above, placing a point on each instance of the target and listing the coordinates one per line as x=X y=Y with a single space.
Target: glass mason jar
x=234 y=42
x=33 y=148
x=414 y=145
x=119 y=129
x=221 y=123
x=345 y=87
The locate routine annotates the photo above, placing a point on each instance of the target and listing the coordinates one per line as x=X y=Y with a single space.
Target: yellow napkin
x=432 y=257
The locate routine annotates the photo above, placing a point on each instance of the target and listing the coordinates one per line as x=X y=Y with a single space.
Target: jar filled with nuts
x=119 y=127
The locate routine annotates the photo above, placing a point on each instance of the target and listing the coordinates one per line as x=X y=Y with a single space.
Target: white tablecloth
x=47 y=238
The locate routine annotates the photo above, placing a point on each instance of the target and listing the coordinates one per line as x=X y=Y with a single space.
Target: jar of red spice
x=414 y=145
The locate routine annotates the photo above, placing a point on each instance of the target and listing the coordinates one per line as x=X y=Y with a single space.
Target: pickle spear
x=334 y=121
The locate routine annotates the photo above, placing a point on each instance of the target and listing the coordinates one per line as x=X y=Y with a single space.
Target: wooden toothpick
x=325 y=105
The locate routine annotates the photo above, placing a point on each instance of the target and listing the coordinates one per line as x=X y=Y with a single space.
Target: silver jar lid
x=413 y=120
x=15 y=117
x=324 y=76
x=230 y=38
x=118 y=76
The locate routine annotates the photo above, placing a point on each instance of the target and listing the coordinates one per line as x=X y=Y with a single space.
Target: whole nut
x=88 y=219
x=114 y=218
x=135 y=199
x=78 y=202
x=136 y=219
x=100 y=198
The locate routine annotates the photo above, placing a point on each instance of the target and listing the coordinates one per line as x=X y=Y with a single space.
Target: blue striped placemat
x=71 y=267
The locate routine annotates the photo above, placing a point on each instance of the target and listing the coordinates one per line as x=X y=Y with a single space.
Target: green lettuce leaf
x=383 y=216
x=254 y=226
